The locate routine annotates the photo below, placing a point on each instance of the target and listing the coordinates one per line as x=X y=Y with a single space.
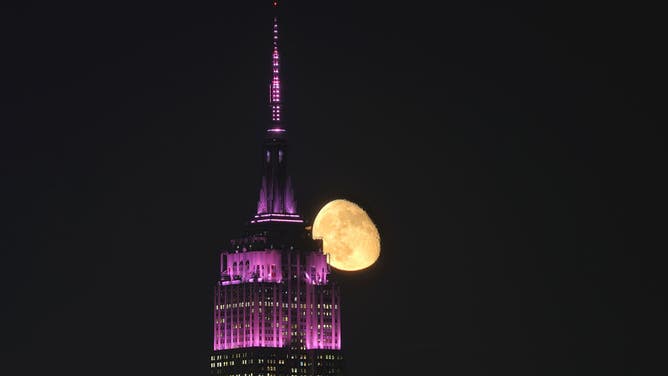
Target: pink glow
x=275 y=297
x=275 y=86
x=277 y=220
x=255 y=306
x=276 y=194
x=263 y=264
x=277 y=215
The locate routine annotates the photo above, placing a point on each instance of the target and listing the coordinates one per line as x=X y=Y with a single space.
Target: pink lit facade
x=277 y=309
x=275 y=298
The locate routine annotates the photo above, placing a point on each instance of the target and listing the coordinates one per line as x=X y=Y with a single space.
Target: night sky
x=505 y=152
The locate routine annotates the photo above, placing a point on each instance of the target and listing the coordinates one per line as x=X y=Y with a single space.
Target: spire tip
x=275 y=85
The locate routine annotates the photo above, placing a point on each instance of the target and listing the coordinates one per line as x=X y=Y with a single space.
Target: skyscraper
x=277 y=310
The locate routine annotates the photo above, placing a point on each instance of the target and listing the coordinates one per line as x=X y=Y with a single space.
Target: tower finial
x=277 y=202
x=275 y=85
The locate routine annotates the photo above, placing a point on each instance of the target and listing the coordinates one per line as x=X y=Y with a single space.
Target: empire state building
x=277 y=310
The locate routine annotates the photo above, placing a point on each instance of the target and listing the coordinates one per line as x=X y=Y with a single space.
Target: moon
x=348 y=235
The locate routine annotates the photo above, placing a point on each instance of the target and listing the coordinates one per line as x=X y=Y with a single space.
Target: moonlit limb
x=348 y=235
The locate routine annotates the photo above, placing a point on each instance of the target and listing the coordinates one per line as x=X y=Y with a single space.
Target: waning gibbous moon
x=348 y=235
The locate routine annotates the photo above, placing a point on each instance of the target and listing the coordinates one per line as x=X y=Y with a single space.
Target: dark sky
x=505 y=152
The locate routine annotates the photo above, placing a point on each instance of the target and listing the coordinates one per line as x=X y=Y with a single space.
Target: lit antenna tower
x=276 y=309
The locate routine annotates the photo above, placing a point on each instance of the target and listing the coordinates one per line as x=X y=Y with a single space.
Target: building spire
x=275 y=85
x=277 y=202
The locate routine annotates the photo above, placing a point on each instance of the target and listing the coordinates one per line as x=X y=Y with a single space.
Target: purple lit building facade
x=276 y=309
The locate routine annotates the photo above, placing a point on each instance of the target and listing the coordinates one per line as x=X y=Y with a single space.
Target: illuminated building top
x=276 y=202
x=274 y=294
x=277 y=308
